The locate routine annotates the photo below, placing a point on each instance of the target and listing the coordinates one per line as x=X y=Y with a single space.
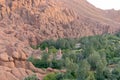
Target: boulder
x=16 y=55
x=4 y=57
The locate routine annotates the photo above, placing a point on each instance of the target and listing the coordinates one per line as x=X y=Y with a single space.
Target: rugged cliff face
x=36 y=20
x=28 y=22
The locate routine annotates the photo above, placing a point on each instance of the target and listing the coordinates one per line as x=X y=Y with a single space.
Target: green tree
x=99 y=70
x=71 y=68
x=116 y=72
x=93 y=59
x=60 y=44
x=83 y=70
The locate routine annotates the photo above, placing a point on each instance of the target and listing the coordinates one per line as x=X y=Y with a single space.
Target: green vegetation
x=46 y=62
x=65 y=43
x=50 y=76
x=32 y=77
x=97 y=58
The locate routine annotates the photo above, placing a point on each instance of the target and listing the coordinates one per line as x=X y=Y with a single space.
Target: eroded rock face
x=16 y=67
x=32 y=21
x=16 y=73
x=28 y=22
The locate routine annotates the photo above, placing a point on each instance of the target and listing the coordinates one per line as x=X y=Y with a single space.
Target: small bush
x=50 y=76
x=32 y=77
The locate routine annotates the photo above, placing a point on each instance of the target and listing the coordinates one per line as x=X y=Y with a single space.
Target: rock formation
x=24 y=23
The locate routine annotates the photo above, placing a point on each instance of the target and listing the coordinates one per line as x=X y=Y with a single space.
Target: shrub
x=50 y=76
x=32 y=77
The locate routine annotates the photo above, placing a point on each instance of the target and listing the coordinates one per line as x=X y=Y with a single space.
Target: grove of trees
x=97 y=58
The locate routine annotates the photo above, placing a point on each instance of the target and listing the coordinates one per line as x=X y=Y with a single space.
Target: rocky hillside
x=28 y=22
